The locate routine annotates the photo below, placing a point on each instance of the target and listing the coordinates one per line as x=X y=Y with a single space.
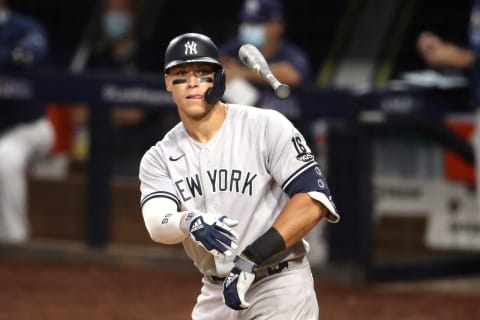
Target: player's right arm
x=168 y=226
x=159 y=202
x=164 y=220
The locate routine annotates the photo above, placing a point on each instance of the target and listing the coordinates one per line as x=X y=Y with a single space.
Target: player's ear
x=167 y=83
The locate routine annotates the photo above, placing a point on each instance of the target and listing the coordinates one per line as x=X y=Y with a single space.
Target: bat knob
x=282 y=91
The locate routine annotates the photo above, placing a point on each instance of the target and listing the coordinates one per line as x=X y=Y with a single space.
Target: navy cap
x=259 y=11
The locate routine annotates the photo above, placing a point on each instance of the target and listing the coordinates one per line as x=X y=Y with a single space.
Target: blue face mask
x=252 y=33
x=117 y=24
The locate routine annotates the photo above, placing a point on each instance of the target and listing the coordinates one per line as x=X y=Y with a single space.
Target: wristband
x=244 y=264
x=265 y=246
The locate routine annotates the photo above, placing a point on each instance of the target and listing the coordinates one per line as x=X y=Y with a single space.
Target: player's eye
x=181 y=73
x=203 y=72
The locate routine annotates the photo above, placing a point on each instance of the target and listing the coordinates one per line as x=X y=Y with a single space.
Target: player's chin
x=197 y=109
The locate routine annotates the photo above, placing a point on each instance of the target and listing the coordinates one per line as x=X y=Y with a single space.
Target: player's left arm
x=309 y=202
x=300 y=214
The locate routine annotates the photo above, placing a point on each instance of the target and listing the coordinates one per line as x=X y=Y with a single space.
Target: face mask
x=116 y=24
x=252 y=33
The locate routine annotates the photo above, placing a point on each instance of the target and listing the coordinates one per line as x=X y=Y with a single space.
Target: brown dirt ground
x=40 y=290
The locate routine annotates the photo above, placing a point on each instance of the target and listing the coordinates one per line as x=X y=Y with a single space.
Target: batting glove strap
x=212 y=232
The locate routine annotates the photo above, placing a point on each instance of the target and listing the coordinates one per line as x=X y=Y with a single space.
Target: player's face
x=188 y=83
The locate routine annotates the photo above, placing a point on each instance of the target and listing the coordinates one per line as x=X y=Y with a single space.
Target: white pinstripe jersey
x=242 y=172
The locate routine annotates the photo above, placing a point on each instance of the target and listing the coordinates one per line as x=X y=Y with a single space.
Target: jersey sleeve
x=154 y=178
x=292 y=164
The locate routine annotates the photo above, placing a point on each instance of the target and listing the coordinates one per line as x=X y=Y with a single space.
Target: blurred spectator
x=25 y=132
x=116 y=48
x=440 y=53
x=262 y=23
x=119 y=48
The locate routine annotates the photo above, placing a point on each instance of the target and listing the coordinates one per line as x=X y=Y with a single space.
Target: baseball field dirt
x=35 y=289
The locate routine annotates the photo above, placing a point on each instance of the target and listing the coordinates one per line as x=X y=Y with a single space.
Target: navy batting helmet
x=191 y=47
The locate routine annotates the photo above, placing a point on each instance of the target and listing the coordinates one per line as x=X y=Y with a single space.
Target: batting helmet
x=191 y=47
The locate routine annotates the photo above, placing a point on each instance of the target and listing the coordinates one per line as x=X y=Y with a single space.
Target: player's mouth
x=195 y=96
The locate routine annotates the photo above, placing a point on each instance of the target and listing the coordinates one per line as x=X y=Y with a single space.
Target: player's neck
x=203 y=129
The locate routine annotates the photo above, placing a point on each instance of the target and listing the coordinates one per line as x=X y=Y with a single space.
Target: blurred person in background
x=440 y=53
x=262 y=23
x=119 y=48
x=25 y=132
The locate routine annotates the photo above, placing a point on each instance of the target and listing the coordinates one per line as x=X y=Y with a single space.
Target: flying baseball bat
x=255 y=61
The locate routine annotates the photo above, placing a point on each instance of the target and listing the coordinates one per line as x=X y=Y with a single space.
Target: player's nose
x=192 y=79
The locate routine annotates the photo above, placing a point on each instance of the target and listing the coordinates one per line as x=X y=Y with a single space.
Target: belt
x=264 y=272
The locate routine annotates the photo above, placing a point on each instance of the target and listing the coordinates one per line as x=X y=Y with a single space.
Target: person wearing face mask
x=117 y=23
x=25 y=132
x=262 y=23
x=117 y=46
x=119 y=49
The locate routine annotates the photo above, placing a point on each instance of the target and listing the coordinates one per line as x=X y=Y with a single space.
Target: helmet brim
x=199 y=59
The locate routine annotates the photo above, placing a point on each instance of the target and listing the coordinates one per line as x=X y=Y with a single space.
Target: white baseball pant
x=19 y=146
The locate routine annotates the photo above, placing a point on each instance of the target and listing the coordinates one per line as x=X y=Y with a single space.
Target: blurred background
x=392 y=133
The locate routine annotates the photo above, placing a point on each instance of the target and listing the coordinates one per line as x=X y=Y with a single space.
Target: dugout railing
x=353 y=120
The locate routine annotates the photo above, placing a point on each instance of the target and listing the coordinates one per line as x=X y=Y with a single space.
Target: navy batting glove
x=212 y=232
x=238 y=282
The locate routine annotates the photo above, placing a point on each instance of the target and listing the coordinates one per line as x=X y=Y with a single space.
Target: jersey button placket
x=211 y=203
x=206 y=181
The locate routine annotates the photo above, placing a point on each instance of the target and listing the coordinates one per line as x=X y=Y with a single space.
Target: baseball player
x=238 y=186
x=26 y=134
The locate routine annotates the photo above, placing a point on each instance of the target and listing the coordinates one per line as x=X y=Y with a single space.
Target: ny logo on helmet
x=190 y=48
